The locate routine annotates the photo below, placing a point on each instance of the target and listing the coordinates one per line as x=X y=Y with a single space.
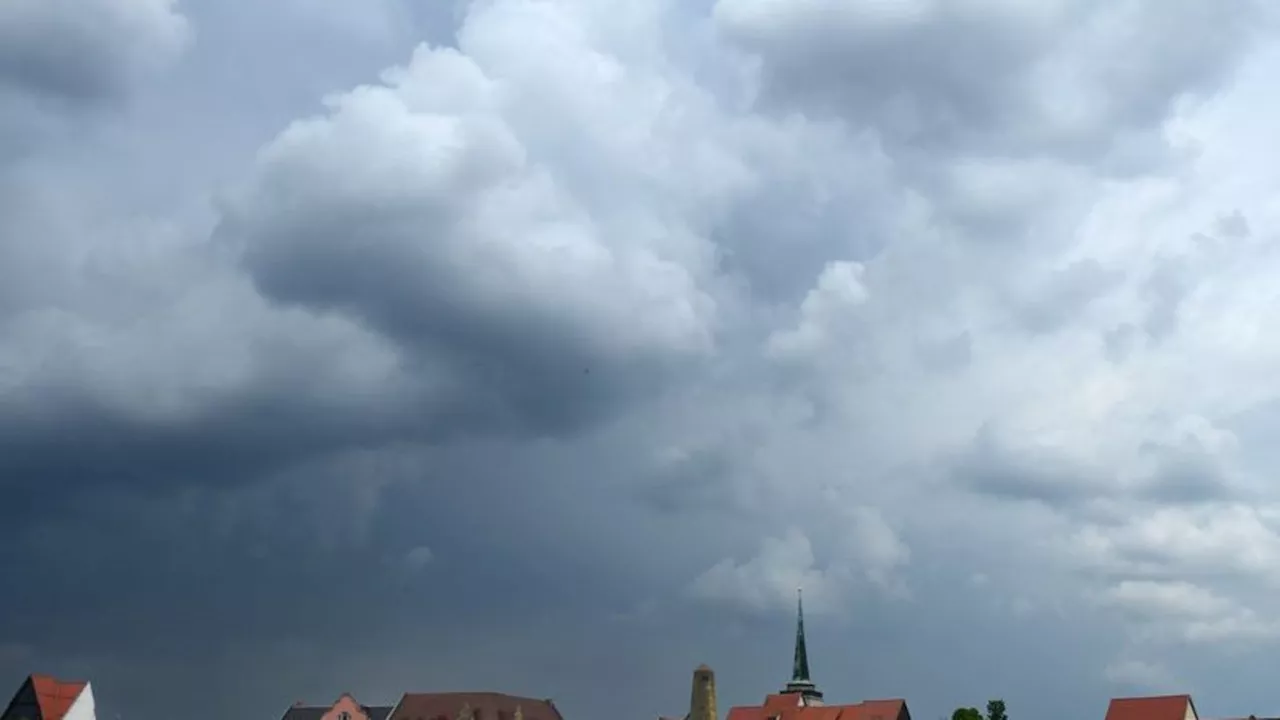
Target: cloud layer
x=539 y=331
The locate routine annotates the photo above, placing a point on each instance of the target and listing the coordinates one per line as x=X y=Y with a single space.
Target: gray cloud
x=1193 y=466
x=993 y=78
x=991 y=466
x=551 y=355
x=1065 y=294
x=85 y=51
x=60 y=59
x=471 y=258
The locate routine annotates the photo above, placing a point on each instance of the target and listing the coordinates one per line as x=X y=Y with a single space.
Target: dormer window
x=344 y=715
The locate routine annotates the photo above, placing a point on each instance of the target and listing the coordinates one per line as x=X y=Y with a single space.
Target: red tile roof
x=788 y=707
x=1164 y=707
x=43 y=697
x=56 y=696
x=301 y=711
x=778 y=702
x=882 y=709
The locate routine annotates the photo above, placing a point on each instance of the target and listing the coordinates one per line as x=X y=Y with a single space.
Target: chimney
x=702 y=701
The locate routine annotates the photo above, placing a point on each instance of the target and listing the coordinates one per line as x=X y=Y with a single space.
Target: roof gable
x=882 y=710
x=1163 y=707
x=789 y=707
x=24 y=705
x=301 y=711
x=43 y=697
x=745 y=713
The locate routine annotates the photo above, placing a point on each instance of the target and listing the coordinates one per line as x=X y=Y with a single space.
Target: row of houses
x=42 y=697
x=800 y=699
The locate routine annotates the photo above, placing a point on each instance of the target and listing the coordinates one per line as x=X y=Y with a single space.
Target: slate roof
x=305 y=712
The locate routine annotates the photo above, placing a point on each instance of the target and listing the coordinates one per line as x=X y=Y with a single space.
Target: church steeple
x=801 y=684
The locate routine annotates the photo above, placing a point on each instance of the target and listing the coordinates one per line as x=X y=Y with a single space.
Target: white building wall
x=1191 y=711
x=83 y=707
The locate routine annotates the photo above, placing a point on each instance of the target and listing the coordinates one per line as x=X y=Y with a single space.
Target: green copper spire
x=800 y=665
x=801 y=683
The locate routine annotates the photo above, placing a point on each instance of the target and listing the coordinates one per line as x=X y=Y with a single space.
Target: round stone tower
x=702 y=701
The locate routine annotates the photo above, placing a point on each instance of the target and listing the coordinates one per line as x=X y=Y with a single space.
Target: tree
x=966 y=714
x=995 y=710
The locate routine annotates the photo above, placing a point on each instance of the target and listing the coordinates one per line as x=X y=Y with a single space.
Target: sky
x=548 y=346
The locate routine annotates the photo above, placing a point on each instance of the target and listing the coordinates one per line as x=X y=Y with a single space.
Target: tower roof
x=801 y=683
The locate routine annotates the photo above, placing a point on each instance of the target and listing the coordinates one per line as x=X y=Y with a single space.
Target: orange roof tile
x=778 y=703
x=45 y=697
x=55 y=696
x=745 y=713
x=880 y=709
x=788 y=707
x=1164 y=707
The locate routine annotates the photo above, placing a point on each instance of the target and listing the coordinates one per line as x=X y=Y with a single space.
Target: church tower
x=800 y=683
x=702 y=700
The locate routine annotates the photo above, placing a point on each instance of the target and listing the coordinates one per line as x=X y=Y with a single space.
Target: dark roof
x=305 y=712
x=484 y=705
x=1162 y=707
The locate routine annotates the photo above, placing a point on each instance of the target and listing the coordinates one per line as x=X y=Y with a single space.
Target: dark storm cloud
x=448 y=390
x=460 y=358
x=51 y=440
x=247 y=588
x=440 y=256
